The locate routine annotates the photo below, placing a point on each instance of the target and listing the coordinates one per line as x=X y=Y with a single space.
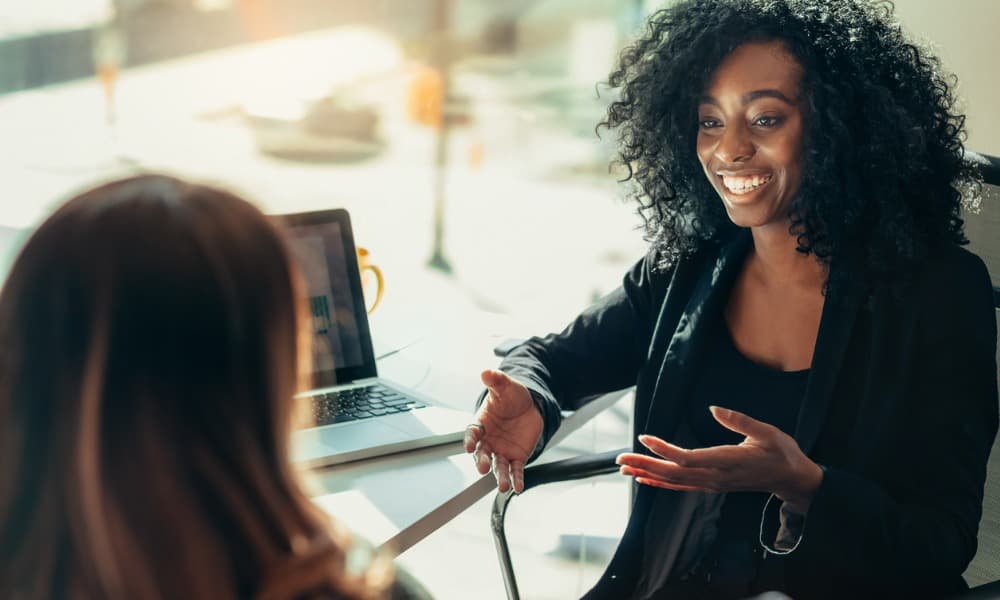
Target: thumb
x=740 y=423
x=496 y=381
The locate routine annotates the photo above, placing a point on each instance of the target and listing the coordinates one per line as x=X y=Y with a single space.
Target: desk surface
x=396 y=500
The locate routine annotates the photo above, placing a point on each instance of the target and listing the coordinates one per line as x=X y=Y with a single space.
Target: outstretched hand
x=508 y=426
x=768 y=460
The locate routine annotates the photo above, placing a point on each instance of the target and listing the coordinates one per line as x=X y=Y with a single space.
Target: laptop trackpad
x=326 y=441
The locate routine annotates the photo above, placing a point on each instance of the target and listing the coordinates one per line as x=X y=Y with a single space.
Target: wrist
x=801 y=489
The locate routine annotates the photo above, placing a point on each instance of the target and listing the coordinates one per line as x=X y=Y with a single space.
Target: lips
x=745 y=184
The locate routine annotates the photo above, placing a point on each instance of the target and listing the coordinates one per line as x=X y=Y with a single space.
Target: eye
x=708 y=123
x=767 y=121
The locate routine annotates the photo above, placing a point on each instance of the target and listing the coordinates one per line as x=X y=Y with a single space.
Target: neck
x=778 y=263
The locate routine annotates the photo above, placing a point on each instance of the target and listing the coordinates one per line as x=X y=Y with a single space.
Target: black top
x=890 y=371
x=728 y=379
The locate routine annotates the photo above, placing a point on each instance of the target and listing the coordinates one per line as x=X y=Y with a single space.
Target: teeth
x=742 y=185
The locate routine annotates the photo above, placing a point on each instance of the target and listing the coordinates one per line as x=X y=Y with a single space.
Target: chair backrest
x=983 y=230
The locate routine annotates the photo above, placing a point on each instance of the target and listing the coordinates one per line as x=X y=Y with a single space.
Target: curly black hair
x=883 y=172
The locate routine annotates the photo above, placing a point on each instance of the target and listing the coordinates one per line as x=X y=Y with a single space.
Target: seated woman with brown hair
x=151 y=343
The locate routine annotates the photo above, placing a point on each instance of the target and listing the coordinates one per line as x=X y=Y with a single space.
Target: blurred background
x=459 y=133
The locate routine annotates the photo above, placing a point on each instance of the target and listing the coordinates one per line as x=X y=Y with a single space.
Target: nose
x=735 y=145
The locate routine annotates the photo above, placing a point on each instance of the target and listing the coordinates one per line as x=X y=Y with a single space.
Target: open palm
x=511 y=427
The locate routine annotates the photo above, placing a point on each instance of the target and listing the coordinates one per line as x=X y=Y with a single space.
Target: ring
x=482 y=428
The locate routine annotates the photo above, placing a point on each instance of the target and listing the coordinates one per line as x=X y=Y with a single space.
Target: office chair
x=983 y=574
x=983 y=231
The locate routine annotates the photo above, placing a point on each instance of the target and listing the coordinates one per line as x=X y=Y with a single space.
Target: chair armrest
x=578 y=467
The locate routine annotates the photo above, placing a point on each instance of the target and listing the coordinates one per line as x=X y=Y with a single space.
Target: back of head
x=150 y=335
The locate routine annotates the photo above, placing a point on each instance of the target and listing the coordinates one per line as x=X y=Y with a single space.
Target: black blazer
x=901 y=408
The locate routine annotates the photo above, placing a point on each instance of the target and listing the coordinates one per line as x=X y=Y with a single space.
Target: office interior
x=460 y=135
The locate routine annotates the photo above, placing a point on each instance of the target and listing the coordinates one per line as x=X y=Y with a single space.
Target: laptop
x=357 y=413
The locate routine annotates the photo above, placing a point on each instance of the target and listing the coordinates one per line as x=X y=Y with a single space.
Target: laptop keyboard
x=360 y=403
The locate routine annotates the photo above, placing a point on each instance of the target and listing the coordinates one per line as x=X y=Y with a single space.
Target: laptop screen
x=323 y=247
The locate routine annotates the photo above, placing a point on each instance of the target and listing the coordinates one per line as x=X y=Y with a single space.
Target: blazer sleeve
x=600 y=351
x=922 y=525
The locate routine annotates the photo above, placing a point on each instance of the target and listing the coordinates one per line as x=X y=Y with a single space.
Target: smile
x=744 y=185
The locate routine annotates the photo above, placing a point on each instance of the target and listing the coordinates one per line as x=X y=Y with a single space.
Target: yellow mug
x=365 y=264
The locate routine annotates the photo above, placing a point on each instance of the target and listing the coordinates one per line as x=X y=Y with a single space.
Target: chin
x=754 y=216
x=756 y=213
x=746 y=216
x=744 y=222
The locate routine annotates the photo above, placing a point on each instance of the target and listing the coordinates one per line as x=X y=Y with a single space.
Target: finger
x=517 y=475
x=714 y=457
x=473 y=433
x=483 y=458
x=700 y=480
x=501 y=470
x=633 y=463
x=663 y=449
x=650 y=479
x=741 y=423
x=495 y=381
x=641 y=460
x=630 y=471
x=669 y=486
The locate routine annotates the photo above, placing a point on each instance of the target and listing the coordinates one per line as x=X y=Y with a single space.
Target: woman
x=153 y=339
x=813 y=352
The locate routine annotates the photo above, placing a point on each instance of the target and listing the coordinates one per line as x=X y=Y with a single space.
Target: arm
x=600 y=351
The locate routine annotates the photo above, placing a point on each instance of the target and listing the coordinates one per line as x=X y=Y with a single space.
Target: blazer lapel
x=836 y=325
x=708 y=294
x=682 y=341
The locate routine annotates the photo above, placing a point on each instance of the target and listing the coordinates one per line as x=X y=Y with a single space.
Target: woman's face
x=750 y=122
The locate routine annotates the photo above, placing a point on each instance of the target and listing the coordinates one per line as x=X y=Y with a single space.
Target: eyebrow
x=749 y=97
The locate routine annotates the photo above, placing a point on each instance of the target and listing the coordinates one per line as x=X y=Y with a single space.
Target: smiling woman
x=805 y=322
x=750 y=134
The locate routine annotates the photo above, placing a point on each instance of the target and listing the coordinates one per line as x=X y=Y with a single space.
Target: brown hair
x=151 y=342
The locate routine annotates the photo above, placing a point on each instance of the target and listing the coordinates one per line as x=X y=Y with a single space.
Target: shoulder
x=953 y=277
x=953 y=297
x=658 y=273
